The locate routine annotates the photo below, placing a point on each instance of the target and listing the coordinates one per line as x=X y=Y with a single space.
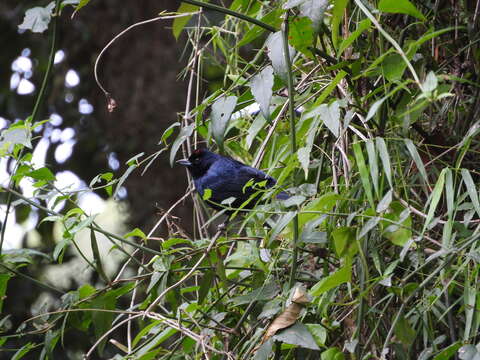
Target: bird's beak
x=184 y=162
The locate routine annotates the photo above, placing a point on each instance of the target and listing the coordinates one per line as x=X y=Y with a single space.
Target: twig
x=187 y=276
x=110 y=101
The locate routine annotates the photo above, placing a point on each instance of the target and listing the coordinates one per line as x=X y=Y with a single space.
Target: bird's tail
x=282 y=195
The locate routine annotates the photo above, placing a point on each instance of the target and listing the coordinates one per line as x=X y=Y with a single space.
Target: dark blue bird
x=227 y=178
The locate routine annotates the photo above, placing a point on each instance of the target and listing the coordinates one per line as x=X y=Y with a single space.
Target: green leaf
x=342 y=275
x=362 y=26
x=257 y=125
x=332 y=354
x=385 y=157
x=180 y=22
x=102 y=321
x=264 y=351
x=399 y=229
x=60 y=249
x=261 y=85
x=37 y=19
x=205 y=285
x=222 y=110
x=272 y=18
x=81 y=4
x=299 y=335
x=417 y=159
x=24 y=350
x=330 y=115
x=265 y=292
x=337 y=15
x=96 y=256
x=168 y=131
x=185 y=132
x=344 y=241
x=3 y=288
x=400 y=7
x=373 y=163
x=175 y=241
x=471 y=189
x=404 y=332
x=280 y=224
x=300 y=35
x=136 y=232
x=318 y=332
x=41 y=174
x=448 y=352
x=123 y=178
x=434 y=199
x=331 y=86
x=362 y=168
x=394 y=67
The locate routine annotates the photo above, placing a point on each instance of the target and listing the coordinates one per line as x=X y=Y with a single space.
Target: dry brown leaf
x=290 y=315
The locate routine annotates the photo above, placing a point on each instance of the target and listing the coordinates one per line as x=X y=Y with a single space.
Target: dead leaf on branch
x=290 y=315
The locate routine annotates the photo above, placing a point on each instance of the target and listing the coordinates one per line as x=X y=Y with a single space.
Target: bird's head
x=199 y=162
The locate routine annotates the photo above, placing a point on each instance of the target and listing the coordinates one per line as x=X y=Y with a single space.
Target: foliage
x=375 y=255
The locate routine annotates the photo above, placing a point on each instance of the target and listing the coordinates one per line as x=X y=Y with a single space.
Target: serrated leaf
x=222 y=110
x=400 y=7
x=37 y=19
x=261 y=85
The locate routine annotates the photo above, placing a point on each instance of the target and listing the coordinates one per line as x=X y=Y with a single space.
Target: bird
x=227 y=178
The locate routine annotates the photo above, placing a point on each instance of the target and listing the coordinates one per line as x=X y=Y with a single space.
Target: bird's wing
x=247 y=173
